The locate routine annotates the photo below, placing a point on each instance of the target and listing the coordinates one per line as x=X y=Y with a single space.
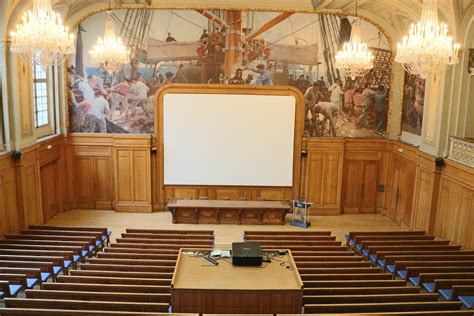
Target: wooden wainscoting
x=323 y=175
x=9 y=210
x=111 y=171
x=454 y=218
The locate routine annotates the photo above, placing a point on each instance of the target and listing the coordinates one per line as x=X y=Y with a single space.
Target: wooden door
x=368 y=199
x=84 y=182
x=102 y=172
x=50 y=189
x=353 y=182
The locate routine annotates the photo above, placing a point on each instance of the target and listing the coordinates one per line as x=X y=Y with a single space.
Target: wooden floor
x=225 y=234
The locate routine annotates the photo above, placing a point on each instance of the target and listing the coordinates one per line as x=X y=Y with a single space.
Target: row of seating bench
x=337 y=281
x=131 y=275
x=437 y=266
x=42 y=253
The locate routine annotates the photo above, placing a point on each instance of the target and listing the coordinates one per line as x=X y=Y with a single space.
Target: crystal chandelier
x=355 y=59
x=427 y=49
x=41 y=38
x=110 y=50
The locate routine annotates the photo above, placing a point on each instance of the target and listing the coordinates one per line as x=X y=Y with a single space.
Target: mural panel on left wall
x=228 y=47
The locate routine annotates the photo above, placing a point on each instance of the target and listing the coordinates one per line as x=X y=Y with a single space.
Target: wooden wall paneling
x=155 y=174
x=132 y=173
x=352 y=187
x=426 y=194
x=215 y=192
x=324 y=166
x=29 y=188
x=369 y=187
x=9 y=209
x=93 y=163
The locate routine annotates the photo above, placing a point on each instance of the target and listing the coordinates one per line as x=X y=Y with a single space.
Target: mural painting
x=413 y=103
x=228 y=47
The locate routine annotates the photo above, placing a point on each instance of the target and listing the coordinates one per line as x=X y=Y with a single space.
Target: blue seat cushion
x=391 y=268
x=104 y=237
x=358 y=247
x=57 y=269
x=97 y=243
x=14 y=289
x=402 y=274
x=373 y=258
x=76 y=258
x=353 y=242
x=45 y=276
x=381 y=262
x=415 y=280
x=2 y=295
x=365 y=252
x=346 y=237
x=446 y=294
x=67 y=263
x=468 y=301
x=429 y=286
x=84 y=253
x=91 y=248
x=30 y=283
x=109 y=233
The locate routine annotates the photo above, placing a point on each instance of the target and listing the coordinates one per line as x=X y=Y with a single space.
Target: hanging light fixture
x=110 y=50
x=427 y=49
x=355 y=59
x=41 y=38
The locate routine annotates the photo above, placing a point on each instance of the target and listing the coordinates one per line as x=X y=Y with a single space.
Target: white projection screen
x=228 y=139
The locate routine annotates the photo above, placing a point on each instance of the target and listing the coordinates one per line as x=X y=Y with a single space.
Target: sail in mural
x=228 y=47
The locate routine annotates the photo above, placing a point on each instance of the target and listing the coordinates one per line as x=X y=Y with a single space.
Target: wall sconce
x=470 y=66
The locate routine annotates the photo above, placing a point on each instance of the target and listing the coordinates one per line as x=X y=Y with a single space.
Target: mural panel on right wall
x=413 y=103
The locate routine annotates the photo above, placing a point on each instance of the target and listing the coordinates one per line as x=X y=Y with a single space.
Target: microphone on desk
x=211 y=260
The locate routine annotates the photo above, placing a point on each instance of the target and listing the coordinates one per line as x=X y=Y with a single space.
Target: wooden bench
x=302 y=260
x=20 y=279
x=117 y=249
x=111 y=280
x=143 y=262
x=58 y=312
x=76 y=250
x=33 y=275
x=346 y=276
x=292 y=243
x=138 y=243
x=100 y=296
x=289 y=237
x=345 y=270
x=418 y=313
x=67 y=255
x=118 y=255
x=350 y=237
x=318 y=250
x=103 y=230
x=334 y=264
x=360 y=239
x=156 y=240
x=382 y=307
x=86 y=305
x=86 y=251
x=380 y=255
x=56 y=238
x=60 y=264
x=90 y=234
x=465 y=294
x=366 y=244
x=287 y=233
x=371 y=298
x=353 y=283
x=442 y=284
x=362 y=290
x=106 y=288
x=413 y=274
x=132 y=268
x=47 y=268
x=123 y=274
x=324 y=254
x=403 y=265
x=376 y=249
x=168 y=237
x=170 y=231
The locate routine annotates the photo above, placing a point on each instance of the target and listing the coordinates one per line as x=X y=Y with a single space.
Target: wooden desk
x=200 y=287
x=228 y=212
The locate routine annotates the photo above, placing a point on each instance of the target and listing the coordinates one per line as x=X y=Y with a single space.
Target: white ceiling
x=393 y=15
